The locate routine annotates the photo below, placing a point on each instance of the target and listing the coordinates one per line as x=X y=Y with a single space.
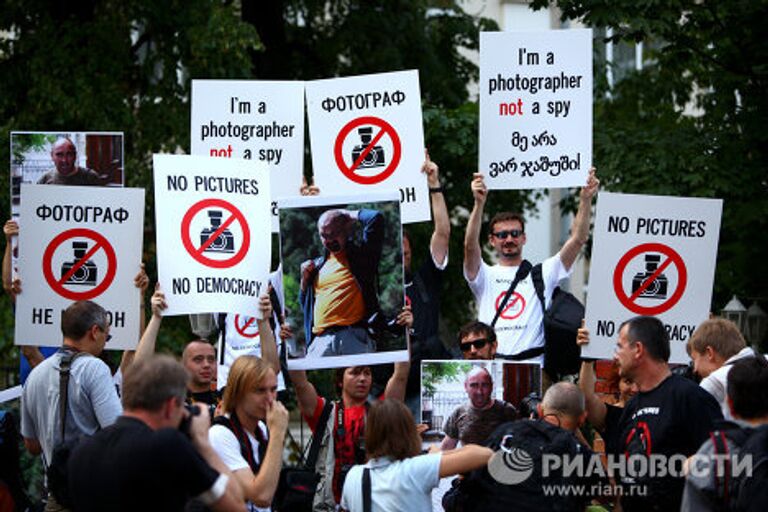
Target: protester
x=66 y=171
x=670 y=415
x=338 y=289
x=249 y=439
x=714 y=346
x=522 y=337
x=91 y=398
x=400 y=478
x=712 y=486
x=473 y=422
x=144 y=461
x=199 y=359
x=477 y=340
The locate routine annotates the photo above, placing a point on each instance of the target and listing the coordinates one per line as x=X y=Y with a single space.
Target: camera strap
x=522 y=273
x=246 y=449
x=367 y=505
x=68 y=356
x=340 y=432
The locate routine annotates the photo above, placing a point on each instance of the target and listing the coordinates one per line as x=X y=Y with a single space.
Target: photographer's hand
x=307 y=268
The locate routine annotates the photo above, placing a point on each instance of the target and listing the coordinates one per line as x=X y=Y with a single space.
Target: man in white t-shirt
x=519 y=328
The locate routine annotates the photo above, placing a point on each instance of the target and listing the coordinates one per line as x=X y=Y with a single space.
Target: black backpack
x=480 y=491
x=742 y=492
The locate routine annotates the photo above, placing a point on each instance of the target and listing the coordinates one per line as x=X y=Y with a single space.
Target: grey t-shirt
x=93 y=401
x=471 y=425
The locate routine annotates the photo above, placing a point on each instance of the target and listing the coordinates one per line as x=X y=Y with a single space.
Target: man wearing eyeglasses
x=477 y=341
x=92 y=401
x=519 y=326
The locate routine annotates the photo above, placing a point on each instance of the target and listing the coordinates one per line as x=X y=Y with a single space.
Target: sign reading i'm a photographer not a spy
x=366 y=134
x=652 y=256
x=77 y=245
x=213 y=227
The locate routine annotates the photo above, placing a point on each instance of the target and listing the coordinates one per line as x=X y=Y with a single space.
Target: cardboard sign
x=211 y=215
x=656 y=257
x=253 y=120
x=77 y=245
x=366 y=134
x=343 y=277
x=535 y=108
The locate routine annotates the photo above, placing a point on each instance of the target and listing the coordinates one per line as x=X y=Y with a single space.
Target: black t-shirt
x=675 y=417
x=209 y=397
x=423 y=294
x=128 y=467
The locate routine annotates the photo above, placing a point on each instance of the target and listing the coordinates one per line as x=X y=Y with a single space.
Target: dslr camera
x=186 y=421
x=657 y=289
x=224 y=242
x=375 y=157
x=87 y=273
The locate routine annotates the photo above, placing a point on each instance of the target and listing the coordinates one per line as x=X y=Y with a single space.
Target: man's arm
x=261 y=487
x=141 y=281
x=10 y=229
x=146 y=346
x=464 y=459
x=438 y=245
x=580 y=227
x=472 y=251
x=449 y=443
x=596 y=408
x=398 y=382
x=306 y=394
x=266 y=335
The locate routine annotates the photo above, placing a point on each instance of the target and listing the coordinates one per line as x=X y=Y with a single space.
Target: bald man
x=67 y=172
x=199 y=359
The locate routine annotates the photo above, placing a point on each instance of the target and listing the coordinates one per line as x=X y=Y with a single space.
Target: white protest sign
x=366 y=134
x=241 y=337
x=652 y=255
x=535 y=108
x=79 y=245
x=253 y=120
x=212 y=217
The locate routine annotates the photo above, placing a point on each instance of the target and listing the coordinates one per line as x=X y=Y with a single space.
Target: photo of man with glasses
x=519 y=327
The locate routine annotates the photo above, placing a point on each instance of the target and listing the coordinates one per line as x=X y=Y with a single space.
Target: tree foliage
x=692 y=121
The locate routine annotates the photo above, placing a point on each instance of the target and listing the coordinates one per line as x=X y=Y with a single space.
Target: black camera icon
x=86 y=274
x=224 y=242
x=657 y=289
x=375 y=157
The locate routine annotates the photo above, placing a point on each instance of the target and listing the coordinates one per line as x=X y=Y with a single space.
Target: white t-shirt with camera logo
x=521 y=325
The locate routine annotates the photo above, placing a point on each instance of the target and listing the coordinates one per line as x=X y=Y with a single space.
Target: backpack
x=562 y=355
x=742 y=492
x=516 y=441
x=57 y=472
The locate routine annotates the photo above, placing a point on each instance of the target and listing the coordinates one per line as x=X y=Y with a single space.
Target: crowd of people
x=158 y=435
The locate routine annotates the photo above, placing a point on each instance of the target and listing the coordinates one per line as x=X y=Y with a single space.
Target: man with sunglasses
x=92 y=401
x=477 y=341
x=519 y=326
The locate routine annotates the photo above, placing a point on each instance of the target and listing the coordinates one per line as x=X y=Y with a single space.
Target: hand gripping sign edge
x=101 y=243
x=196 y=253
x=349 y=171
x=513 y=299
x=682 y=280
x=242 y=331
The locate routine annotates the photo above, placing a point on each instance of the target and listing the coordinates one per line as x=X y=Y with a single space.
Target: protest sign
x=656 y=256
x=535 y=108
x=253 y=120
x=366 y=134
x=211 y=217
x=77 y=245
x=343 y=278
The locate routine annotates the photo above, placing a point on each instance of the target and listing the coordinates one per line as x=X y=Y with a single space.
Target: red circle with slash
x=384 y=129
x=197 y=252
x=515 y=300
x=242 y=330
x=57 y=285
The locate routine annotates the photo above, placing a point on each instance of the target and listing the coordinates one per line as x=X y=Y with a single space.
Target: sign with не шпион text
x=209 y=213
x=656 y=257
x=535 y=108
x=77 y=245
x=253 y=120
x=366 y=131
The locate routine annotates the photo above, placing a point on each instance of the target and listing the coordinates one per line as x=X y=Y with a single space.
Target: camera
x=225 y=242
x=657 y=289
x=186 y=421
x=379 y=324
x=87 y=273
x=375 y=157
x=528 y=406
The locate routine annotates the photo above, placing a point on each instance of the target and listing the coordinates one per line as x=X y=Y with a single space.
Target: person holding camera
x=249 y=437
x=338 y=289
x=151 y=458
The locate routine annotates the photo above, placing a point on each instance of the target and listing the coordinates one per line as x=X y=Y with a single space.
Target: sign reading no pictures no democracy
x=78 y=245
x=366 y=134
x=535 y=108
x=212 y=220
x=253 y=120
x=652 y=255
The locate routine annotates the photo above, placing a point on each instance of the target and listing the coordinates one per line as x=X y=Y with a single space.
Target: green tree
x=692 y=121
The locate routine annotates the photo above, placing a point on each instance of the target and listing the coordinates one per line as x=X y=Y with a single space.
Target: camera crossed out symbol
x=368 y=154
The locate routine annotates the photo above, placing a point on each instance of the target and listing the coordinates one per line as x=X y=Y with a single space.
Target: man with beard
x=67 y=172
x=519 y=327
x=338 y=289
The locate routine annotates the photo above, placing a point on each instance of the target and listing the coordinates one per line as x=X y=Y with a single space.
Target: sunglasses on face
x=479 y=343
x=502 y=235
